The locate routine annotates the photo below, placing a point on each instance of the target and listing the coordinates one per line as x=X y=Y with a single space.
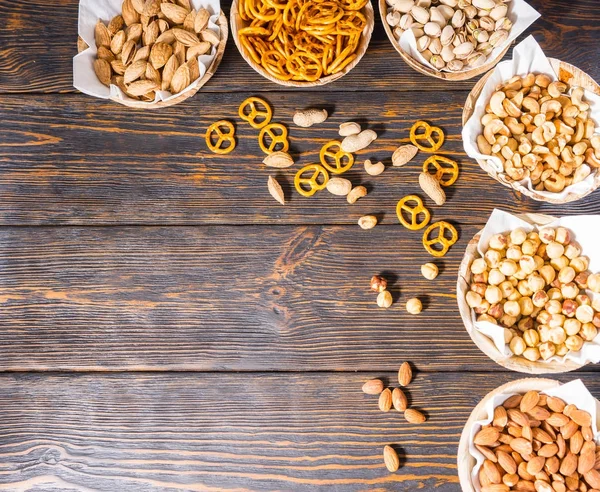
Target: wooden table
x=166 y=325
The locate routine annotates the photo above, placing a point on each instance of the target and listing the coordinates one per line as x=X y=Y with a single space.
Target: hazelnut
x=525 y=305
x=569 y=306
x=430 y=271
x=479 y=288
x=512 y=308
x=414 y=306
x=572 y=251
x=555 y=293
x=571 y=327
x=532 y=338
x=508 y=321
x=508 y=267
x=478 y=266
x=544 y=332
x=548 y=273
x=566 y=275
x=541 y=252
x=563 y=236
x=555 y=250
x=536 y=282
x=507 y=289
x=496 y=277
x=520 y=275
x=518 y=236
x=596 y=320
x=496 y=311
x=531 y=353
x=559 y=263
x=547 y=350
x=579 y=264
x=378 y=283
x=557 y=335
x=540 y=298
x=557 y=320
x=585 y=313
x=581 y=279
x=593 y=283
x=493 y=258
x=527 y=264
x=547 y=235
x=517 y=345
x=588 y=332
x=384 y=299
x=584 y=299
x=561 y=350
x=514 y=296
x=539 y=262
x=481 y=278
x=514 y=253
x=498 y=241
x=574 y=343
x=493 y=294
x=473 y=299
x=488 y=318
x=523 y=288
x=529 y=247
x=553 y=306
x=482 y=308
x=569 y=291
x=525 y=324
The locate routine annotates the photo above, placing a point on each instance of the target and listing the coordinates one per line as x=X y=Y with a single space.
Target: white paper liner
x=520 y=13
x=585 y=228
x=84 y=77
x=527 y=57
x=574 y=392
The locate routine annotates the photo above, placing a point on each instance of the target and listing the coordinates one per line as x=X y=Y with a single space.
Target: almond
x=518 y=417
x=414 y=416
x=391 y=459
x=488 y=453
x=134 y=33
x=399 y=400
x=373 y=387
x=141 y=87
x=117 y=42
x=403 y=154
x=512 y=402
x=529 y=400
x=581 y=417
x=568 y=465
x=151 y=33
x=587 y=458
x=101 y=34
x=536 y=465
x=275 y=189
x=166 y=37
x=197 y=50
x=569 y=429
x=587 y=433
x=201 y=20
x=151 y=8
x=507 y=462
x=134 y=71
x=142 y=54
x=192 y=64
x=130 y=15
x=160 y=54
x=492 y=471
x=211 y=36
x=538 y=413
x=593 y=478
x=181 y=79
x=495 y=487
x=500 y=417
x=385 y=400
x=404 y=374
x=542 y=436
x=558 y=419
x=168 y=71
x=548 y=450
x=184 y=37
x=576 y=442
x=128 y=52
x=188 y=22
x=152 y=74
x=555 y=404
x=103 y=71
x=116 y=24
x=487 y=436
x=118 y=67
x=521 y=446
x=282 y=160
x=175 y=13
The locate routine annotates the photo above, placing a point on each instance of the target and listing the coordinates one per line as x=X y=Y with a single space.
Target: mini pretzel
x=312 y=182
x=338 y=167
x=217 y=130
x=256 y=117
x=426 y=135
x=414 y=212
x=441 y=171
x=277 y=133
x=440 y=238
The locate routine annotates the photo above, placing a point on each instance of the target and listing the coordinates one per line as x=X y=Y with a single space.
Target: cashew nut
x=374 y=169
x=496 y=104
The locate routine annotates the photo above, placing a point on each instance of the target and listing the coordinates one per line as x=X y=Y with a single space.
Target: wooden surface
x=165 y=325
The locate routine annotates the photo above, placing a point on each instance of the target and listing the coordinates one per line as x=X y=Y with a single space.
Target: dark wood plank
x=75 y=160
x=226 y=298
x=231 y=432
x=38 y=41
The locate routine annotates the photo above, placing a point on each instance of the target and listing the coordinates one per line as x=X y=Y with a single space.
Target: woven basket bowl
x=465 y=461
x=132 y=103
x=485 y=344
x=237 y=23
x=419 y=67
x=566 y=73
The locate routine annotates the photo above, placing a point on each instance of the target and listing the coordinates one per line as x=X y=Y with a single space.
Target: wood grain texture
x=38 y=59
x=226 y=298
x=73 y=160
x=222 y=432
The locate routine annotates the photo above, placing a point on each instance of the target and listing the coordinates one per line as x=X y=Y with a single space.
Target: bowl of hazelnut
x=527 y=295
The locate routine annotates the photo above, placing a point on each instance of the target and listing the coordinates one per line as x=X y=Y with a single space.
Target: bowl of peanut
x=528 y=294
x=532 y=434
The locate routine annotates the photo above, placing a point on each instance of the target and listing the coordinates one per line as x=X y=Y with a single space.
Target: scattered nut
x=354 y=143
x=399 y=400
x=367 y=222
x=275 y=190
x=378 y=283
x=374 y=169
x=349 y=128
x=310 y=117
x=403 y=154
x=429 y=271
x=278 y=160
x=432 y=188
x=384 y=299
x=391 y=459
x=385 y=400
x=405 y=374
x=373 y=387
x=414 y=306
x=356 y=193
x=339 y=186
x=414 y=416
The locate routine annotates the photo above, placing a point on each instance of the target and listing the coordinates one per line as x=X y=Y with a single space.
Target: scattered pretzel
x=255 y=116
x=414 y=212
x=312 y=182
x=426 y=135
x=277 y=133
x=441 y=171
x=338 y=156
x=217 y=130
x=440 y=238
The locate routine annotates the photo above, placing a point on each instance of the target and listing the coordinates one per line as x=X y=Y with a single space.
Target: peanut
x=349 y=128
x=310 y=117
x=354 y=143
x=432 y=188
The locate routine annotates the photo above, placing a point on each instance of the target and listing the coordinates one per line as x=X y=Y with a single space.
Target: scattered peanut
x=275 y=190
x=432 y=188
x=374 y=169
x=367 y=222
x=429 y=271
x=310 y=117
x=356 y=193
x=384 y=299
x=349 y=128
x=354 y=143
x=339 y=186
x=414 y=306
x=403 y=154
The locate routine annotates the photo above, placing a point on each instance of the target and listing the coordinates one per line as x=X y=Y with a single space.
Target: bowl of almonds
x=148 y=53
x=454 y=39
x=536 y=131
x=533 y=435
x=529 y=292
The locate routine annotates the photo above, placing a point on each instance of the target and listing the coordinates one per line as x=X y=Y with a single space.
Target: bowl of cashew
x=541 y=131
